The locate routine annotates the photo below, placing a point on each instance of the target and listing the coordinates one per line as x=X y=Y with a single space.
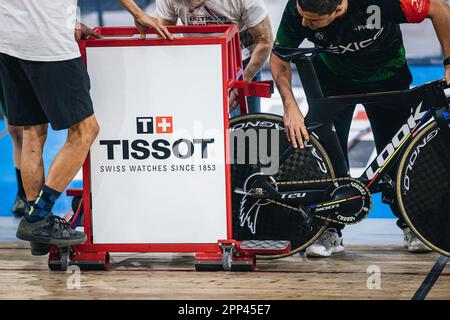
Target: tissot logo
x=150 y=125
x=161 y=148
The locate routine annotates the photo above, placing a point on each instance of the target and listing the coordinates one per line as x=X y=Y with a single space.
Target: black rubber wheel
x=94 y=267
x=254 y=219
x=75 y=204
x=76 y=201
x=65 y=260
x=208 y=267
x=227 y=260
x=55 y=266
x=423 y=188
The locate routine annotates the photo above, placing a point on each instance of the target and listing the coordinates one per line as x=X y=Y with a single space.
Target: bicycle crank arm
x=349 y=203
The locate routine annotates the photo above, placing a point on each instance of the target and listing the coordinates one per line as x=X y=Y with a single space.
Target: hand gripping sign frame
x=117 y=81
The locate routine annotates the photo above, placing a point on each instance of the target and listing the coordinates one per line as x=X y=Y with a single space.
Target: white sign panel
x=157 y=167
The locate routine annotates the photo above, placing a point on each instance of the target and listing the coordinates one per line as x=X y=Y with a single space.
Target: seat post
x=308 y=76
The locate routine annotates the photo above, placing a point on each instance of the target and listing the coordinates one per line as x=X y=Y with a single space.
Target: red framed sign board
x=157 y=179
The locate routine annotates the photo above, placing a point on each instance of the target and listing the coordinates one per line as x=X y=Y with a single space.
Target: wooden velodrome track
x=172 y=276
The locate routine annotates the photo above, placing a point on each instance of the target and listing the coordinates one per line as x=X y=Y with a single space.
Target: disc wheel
x=257 y=219
x=423 y=189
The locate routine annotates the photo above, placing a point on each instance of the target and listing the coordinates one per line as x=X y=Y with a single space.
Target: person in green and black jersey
x=367 y=56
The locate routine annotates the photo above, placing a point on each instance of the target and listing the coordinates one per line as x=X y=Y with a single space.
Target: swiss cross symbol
x=164 y=125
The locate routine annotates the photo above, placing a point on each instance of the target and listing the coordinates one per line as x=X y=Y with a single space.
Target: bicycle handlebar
x=292 y=54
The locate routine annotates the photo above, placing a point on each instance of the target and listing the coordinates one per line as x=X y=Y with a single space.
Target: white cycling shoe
x=329 y=243
x=413 y=244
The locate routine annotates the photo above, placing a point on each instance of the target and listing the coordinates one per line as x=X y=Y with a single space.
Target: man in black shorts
x=368 y=56
x=45 y=81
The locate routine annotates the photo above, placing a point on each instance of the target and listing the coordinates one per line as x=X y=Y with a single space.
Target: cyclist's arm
x=144 y=21
x=440 y=15
x=262 y=35
x=290 y=34
x=282 y=76
x=294 y=120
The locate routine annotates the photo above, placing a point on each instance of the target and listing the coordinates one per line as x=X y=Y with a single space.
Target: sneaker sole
x=327 y=254
x=419 y=250
x=59 y=243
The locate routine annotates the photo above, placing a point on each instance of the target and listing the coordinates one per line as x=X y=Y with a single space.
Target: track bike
x=307 y=192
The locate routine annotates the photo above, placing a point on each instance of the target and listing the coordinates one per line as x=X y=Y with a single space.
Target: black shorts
x=2 y=101
x=45 y=92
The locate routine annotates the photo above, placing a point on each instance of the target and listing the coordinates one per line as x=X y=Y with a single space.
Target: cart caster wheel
x=64 y=257
x=227 y=256
x=65 y=261
x=227 y=260
x=59 y=259
x=54 y=266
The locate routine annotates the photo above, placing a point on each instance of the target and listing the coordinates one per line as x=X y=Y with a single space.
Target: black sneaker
x=20 y=207
x=39 y=249
x=52 y=230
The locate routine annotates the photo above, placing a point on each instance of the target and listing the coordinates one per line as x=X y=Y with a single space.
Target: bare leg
x=72 y=155
x=16 y=134
x=32 y=164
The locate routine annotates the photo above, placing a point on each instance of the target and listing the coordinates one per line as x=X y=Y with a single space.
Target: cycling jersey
x=361 y=52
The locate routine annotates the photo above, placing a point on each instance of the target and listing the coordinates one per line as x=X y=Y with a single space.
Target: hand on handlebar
x=294 y=124
x=145 y=21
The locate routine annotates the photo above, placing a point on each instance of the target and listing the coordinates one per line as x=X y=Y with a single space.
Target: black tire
x=55 y=267
x=76 y=201
x=423 y=188
x=209 y=267
x=75 y=204
x=274 y=222
x=65 y=261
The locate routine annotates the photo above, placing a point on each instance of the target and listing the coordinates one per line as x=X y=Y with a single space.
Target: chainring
x=349 y=200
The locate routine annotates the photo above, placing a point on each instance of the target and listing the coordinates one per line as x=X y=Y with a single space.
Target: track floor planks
x=172 y=276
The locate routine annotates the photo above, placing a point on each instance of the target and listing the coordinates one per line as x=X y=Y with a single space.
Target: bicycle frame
x=427 y=101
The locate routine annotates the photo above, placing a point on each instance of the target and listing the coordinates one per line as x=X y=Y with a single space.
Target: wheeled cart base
x=61 y=258
x=225 y=255
x=234 y=256
x=239 y=256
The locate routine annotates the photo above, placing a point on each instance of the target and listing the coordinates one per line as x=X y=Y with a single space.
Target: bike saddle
x=292 y=54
